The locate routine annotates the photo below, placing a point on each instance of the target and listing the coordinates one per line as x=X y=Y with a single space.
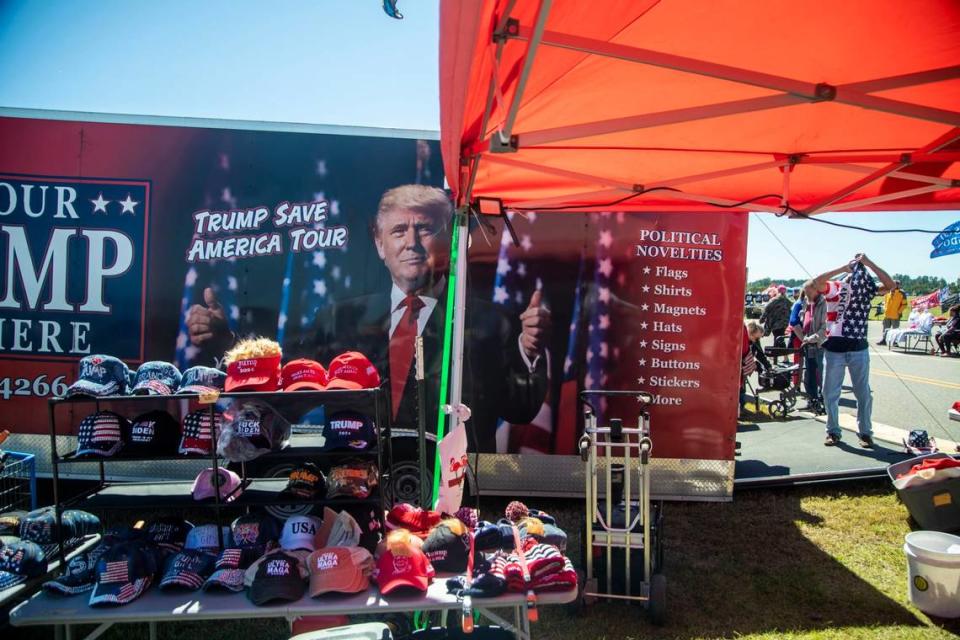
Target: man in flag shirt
x=848 y=304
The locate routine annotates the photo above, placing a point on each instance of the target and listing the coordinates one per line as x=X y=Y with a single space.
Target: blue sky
x=329 y=62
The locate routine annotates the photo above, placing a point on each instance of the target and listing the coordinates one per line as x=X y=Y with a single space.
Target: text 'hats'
x=20 y=561
x=448 y=547
x=101 y=434
x=210 y=482
x=300 y=532
x=187 y=570
x=124 y=572
x=279 y=576
x=339 y=570
x=198 y=431
x=254 y=374
x=156 y=378
x=352 y=370
x=202 y=380
x=80 y=575
x=154 y=433
x=405 y=566
x=348 y=430
x=303 y=374
x=100 y=376
x=306 y=481
x=205 y=538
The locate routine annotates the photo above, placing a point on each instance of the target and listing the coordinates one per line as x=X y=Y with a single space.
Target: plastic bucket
x=933 y=565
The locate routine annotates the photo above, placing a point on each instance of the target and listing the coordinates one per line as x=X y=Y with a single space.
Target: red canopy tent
x=817 y=105
x=669 y=105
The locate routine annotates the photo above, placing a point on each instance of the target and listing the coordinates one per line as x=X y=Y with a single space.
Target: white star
x=518 y=297
x=100 y=204
x=128 y=205
x=522 y=270
x=286 y=282
x=282 y=320
x=319 y=259
x=604 y=350
x=526 y=243
x=231 y=283
x=567 y=364
x=500 y=295
x=644 y=306
x=321 y=168
x=225 y=161
x=643 y=325
x=234 y=312
x=604 y=295
x=642 y=362
x=646 y=270
x=604 y=321
x=181 y=340
x=645 y=289
x=588 y=381
x=606 y=239
x=643 y=343
x=334 y=207
x=320 y=287
x=227 y=197
x=503 y=266
x=191 y=278
x=590 y=355
x=191 y=352
x=641 y=380
x=335 y=272
x=346 y=281
x=606 y=267
x=304 y=320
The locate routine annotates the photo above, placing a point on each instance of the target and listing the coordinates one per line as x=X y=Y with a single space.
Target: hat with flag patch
x=156 y=378
x=187 y=570
x=202 y=380
x=303 y=374
x=279 y=576
x=80 y=575
x=198 y=431
x=918 y=442
x=154 y=433
x=124 y=572
x=101 y=434
x=230 y=568
x=20 y=561
x=352 y=370
x=100 y=376
x=348 y=430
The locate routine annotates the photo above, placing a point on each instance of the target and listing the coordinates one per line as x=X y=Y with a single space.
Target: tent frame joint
x=823 y=92
x=510 y=29
x=500 y=144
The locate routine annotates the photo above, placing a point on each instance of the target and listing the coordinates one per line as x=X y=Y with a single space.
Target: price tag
x=209 y=397
x=942 y=499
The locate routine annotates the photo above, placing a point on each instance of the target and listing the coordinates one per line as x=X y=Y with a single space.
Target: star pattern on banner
x=100 y=204
x=128 y=206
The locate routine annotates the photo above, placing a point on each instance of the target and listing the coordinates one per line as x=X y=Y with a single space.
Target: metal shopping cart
x=788 y=380
x=18 y=481
x=623 y=542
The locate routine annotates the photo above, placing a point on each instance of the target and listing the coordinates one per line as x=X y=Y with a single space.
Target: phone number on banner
x=39 y=386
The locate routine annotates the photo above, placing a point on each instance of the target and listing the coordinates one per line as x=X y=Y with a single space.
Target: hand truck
x=621 y=526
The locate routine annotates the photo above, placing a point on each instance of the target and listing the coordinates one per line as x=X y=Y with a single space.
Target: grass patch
x=807 y=564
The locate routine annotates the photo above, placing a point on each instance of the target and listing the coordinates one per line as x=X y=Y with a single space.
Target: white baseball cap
x=300 y=532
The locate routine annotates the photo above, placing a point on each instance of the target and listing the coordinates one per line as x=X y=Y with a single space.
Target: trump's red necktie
x=402 y=348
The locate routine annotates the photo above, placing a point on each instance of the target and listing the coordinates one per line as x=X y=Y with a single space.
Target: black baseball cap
x=100 y=375
x=202 y=380
x=256 y=531
x=187 y=570
x=80 y=575
x=348 y=430
x=154 y=433
x=280 y=576
x=448 y=546
x=352 y=480
x=306 y=481
x=168 y=533
x=100 y=434
x=40 y=526
x=124 y=573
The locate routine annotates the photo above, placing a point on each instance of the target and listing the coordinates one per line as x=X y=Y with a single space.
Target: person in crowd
x=751 y=356
x=919 y=323
x=949 y=336
x=893 y=305
x=776 y=316
x=814 y=335
x=847 y=307
x=794 y=335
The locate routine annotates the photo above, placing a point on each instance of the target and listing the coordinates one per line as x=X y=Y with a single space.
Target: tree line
x=912 y=285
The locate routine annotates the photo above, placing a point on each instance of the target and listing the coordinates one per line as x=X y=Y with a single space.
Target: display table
x=157 y=606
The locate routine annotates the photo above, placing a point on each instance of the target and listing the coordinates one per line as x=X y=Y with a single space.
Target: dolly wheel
x=658 y=599
x=777 y=410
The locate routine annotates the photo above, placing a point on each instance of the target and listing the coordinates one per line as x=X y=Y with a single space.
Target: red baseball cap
x=352 y=370
x=303 y=374
x=254 y=374
x=406 y=567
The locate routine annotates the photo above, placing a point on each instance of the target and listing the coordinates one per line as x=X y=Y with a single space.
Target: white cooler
x=933 y=564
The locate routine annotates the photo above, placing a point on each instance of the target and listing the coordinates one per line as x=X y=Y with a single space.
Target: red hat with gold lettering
x=352 y=370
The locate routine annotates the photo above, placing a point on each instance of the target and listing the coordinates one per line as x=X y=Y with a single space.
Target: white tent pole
x=878 y=174
x=853 y=204
x=459 y=314
x=905 y=175
x=539 y=24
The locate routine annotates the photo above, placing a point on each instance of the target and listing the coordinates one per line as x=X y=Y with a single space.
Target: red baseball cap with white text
x=352 y=370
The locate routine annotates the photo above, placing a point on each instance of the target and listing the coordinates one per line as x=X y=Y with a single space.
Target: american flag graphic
x=513 y=286
x=219 y=275
x=598 y=327
x=229 y=559
x=567 y=407
x=117 y=571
